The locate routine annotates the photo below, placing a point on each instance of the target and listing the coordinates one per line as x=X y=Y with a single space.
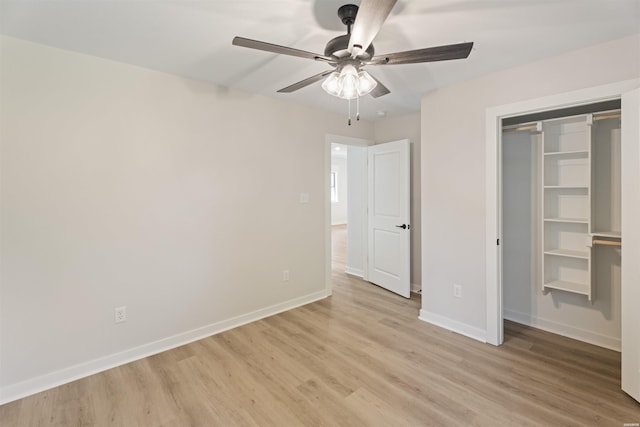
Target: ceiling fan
x=351 y=52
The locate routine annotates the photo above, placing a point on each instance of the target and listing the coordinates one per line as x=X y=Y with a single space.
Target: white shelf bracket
x=589 y=240
x=539 y=126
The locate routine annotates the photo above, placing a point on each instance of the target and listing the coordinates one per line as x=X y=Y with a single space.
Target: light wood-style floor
x=360 y=357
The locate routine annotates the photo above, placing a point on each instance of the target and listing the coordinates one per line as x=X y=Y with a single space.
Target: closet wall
x=525 y=298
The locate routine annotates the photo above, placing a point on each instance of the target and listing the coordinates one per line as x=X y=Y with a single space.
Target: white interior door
x=631 y=244
x=388 y=217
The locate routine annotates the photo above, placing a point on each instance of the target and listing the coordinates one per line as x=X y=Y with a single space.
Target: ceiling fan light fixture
x=349 y=83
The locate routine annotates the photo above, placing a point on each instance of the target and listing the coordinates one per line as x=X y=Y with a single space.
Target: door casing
x=493 y=180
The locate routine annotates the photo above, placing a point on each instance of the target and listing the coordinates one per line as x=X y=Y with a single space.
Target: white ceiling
x=192 y=38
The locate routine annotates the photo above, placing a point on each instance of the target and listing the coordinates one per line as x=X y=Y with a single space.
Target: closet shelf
x=609 y=234
x=582 y=154
x=578 y=288
x=565 y=187
x=567 y=253
x=570 y=220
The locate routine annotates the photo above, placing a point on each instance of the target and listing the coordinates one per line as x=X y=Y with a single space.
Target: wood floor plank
x=359 y=358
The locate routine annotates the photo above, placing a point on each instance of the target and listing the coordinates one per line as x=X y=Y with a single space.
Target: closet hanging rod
x=607 y=116
x=520 y=128
x=607 y=242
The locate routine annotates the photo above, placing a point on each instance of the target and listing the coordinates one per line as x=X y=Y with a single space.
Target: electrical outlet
x=121 y=314
x=285 y=276
x=457 y=290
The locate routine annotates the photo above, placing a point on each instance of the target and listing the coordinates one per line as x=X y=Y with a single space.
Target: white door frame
x=345 y=140
x=493 y=226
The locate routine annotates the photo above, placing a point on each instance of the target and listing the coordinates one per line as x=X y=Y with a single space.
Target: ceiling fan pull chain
x=349 y=101
x=358 y=108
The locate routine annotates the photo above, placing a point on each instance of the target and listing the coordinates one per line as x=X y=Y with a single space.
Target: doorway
x=629 y=92
x=345 y=206
x=561 y=222
x=494 y=220
x=378 y=210
x=339 y=195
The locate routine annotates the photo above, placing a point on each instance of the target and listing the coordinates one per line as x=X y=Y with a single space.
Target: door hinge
x=498 y=242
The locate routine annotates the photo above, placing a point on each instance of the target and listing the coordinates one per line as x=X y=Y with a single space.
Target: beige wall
x=408 y=127
x=453 y=168
x=122 y=186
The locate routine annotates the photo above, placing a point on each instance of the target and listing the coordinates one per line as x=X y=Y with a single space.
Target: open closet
x=561 y=221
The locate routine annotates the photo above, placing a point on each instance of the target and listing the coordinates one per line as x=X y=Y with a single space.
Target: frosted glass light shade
x=366 y=83
x=332 y=84
x=349 y=83
x=349 y=80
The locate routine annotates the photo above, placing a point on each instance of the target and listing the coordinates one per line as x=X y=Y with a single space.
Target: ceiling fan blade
x=305 y=82
x=276 y=48
x=371 y=15
x=379 y=90
x=429 y=54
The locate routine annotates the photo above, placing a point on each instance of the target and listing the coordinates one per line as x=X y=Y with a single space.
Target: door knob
x=403 y=226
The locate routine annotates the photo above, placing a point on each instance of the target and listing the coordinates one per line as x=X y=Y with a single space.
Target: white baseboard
x=569 y=331
x=354 y=271
x=31 y=386
x=453 y=325
x=416 y=288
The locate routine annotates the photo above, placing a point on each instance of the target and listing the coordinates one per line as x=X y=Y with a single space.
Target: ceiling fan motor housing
x=338 y=47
